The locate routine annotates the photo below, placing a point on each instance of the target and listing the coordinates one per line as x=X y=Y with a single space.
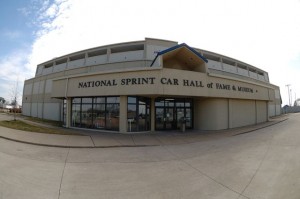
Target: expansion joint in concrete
x=62 y=175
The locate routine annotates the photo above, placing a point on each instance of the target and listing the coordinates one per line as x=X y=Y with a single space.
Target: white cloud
x=11 y=34
x=12 y=66
x=263 y=33
x=25 y=11
x=12 y=71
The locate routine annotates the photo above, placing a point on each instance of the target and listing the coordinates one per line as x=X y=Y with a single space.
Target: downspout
x=67 y=105
x=66 y=88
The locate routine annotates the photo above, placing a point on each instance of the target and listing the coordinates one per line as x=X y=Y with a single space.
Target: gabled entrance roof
x=184 y=51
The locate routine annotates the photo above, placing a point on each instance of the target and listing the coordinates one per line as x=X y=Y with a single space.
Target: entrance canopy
x=181 y=57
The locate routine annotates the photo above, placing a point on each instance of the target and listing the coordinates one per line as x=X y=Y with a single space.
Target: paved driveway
x=259 y=164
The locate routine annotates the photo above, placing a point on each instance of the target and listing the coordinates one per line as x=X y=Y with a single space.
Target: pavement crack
x=62 y=175
x=156 y=137
x=132 y=139
x=202 y=173
x=92 y=140
x=258 y=168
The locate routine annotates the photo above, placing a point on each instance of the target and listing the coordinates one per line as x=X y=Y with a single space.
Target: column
x=152 y=113
x=69 y=113
x=123 y=114
x=268 y=116
x=229 y=114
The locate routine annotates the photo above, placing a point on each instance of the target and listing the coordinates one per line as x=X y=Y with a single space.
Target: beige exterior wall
x=271 y=109
x=52 y=111
x=34 y=109
x=160 y=82
x=37 y=101
x=217 y=114
x=241 y=113
x=211 y=114
x=261 y=111
x=274 y=106
x=26 y=108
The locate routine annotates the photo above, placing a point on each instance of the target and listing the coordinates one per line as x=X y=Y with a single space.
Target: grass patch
x=44 y=121
x=20 y=125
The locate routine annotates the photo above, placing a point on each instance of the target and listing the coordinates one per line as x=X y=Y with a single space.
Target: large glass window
x=96 y=112
x=138 y=114
x=112 y=116
x=76 y=110
x=99 y=116
x=114 y=100
x=87 y=115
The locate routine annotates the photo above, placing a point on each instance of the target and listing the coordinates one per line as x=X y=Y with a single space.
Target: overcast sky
x=263 y=33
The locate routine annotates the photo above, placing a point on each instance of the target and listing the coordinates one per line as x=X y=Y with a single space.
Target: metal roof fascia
x=178 y=46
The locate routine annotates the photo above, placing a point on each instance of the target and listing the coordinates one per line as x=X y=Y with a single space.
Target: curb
x=277 y=122
x=120 y=146
x=73 y=146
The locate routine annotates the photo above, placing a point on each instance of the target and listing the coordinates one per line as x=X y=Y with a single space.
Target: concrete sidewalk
x=98 y=139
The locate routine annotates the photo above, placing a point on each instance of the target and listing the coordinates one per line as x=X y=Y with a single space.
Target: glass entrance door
x=188 y=118
x=165 y=118
x=169 y=118
x=179 y=116
x=159 y=119
x=170 y=113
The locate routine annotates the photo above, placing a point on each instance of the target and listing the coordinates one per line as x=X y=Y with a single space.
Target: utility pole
x=288 y=87
x=291 y=93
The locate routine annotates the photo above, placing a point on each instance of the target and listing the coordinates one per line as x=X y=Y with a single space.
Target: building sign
x=162 y=81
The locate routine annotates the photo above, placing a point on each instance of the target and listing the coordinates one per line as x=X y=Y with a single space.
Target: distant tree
x=14 y=102
x=14 y=97
x=2 y=100
x=297 y=102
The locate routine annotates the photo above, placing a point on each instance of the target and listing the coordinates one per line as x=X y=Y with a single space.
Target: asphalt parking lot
x=264 y=163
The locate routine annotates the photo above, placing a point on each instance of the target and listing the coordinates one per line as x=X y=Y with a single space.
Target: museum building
x=150 y=85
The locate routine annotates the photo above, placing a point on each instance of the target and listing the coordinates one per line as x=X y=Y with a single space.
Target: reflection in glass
x=86 y=116
x=112 y=100
x=187 y=104
x=159 y=118
x=180 y=116
x=188 y=118
x=76 y=100
x=87 y=100
x=131 y=100
x=112 y=116
x=99 y=100
x=159 y=103
x=138 y=114
x=96 y=113
x=169 y=103
x=179 y=104
x=132 y=117
x=169 y=118
x=99 y=116
x=76 y=115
